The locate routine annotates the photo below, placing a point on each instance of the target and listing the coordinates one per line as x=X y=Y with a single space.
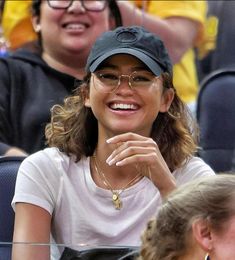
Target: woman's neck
x=118 y=176
x=196 y=253
x=67 y=65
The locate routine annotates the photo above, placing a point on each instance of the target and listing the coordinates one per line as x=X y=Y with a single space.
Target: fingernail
x=109 y=140
x=118 y=163
x=110 y=162
x=108 y=159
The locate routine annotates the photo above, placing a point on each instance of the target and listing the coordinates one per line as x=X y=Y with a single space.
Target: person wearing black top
x=31 y=82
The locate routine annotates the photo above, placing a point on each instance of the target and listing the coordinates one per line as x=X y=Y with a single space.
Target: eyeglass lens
x=109 y=81
x=89 y=5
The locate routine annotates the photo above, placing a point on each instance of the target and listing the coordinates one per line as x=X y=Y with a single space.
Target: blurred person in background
x=17 y=23
x=3 y=42
x=196 y=221
x=181 y=25
x=31 y=82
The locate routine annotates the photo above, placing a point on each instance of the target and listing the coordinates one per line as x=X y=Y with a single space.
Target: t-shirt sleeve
x=38 y=182
x=194 y=10
x=193 y=169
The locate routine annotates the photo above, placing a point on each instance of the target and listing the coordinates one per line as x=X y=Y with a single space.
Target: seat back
x=8 y=172
x=216 y=118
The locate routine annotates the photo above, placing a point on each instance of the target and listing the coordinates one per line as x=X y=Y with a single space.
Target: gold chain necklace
x=115 y=193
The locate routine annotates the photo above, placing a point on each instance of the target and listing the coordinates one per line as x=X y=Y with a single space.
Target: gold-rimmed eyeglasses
x=88 y=5
x=108 y=80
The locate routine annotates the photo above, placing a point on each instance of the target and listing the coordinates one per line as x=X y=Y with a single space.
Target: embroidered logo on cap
x=126 y=36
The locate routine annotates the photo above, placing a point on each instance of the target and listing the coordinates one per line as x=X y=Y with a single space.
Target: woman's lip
x=122 y=112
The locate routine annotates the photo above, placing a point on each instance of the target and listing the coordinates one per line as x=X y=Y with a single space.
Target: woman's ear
x=167 y=98
x=86 y=94
x=202 y=234
x=36 y=24
x=87 y=102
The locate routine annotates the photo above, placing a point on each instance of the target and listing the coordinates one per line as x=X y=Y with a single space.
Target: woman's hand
x=142 y=152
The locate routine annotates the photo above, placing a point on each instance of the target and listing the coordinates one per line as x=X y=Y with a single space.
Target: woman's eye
x=140 y=79
x=108 y=76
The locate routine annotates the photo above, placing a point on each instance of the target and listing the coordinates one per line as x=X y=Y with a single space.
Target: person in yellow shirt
x=181 y=25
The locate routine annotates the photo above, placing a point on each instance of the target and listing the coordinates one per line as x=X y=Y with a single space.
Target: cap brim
x=148 y=61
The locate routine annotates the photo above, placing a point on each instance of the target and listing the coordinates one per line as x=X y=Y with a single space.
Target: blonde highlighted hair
x=74 y=129
x=169 y=236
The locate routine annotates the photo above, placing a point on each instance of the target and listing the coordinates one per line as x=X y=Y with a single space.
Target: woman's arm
x=177 y=32
x=32 y=225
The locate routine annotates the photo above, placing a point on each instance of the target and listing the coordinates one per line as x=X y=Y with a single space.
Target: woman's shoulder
x=50 y=155
x=193 y=168
x=21 y=56
x=22 y=65
x=27 y=66
x=52 y=158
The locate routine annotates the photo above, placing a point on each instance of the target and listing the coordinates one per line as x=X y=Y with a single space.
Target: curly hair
x=169 y=235
x=74 y=129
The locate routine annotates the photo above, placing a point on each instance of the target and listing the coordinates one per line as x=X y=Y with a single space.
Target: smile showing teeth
x=75 y=26
x=124 y=106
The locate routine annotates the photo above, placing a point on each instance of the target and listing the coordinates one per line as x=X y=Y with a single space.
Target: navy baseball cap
x=135 y=41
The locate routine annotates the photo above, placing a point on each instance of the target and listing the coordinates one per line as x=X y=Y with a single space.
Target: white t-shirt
x=83 y=213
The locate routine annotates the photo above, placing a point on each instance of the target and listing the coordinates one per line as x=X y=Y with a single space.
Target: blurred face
x=223 y=243
x=72 y=30
x=134 y=103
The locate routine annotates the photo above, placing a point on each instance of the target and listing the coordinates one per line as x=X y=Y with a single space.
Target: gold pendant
x=116 y=200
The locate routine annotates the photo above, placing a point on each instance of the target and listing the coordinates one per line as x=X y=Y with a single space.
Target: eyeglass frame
x=82 y=3
x=119 y=81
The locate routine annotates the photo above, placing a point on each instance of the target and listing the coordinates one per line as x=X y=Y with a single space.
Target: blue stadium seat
x=216 y=118
x=8 y=172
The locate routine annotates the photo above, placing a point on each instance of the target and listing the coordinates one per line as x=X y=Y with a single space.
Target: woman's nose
x=124 y=84
x=76 y=7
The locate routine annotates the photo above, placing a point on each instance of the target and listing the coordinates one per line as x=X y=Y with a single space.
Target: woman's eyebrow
x=135 y=68
x=108 y=65
x=141 y=67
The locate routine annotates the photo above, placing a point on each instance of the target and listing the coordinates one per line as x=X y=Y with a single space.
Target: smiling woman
x=119 y=145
